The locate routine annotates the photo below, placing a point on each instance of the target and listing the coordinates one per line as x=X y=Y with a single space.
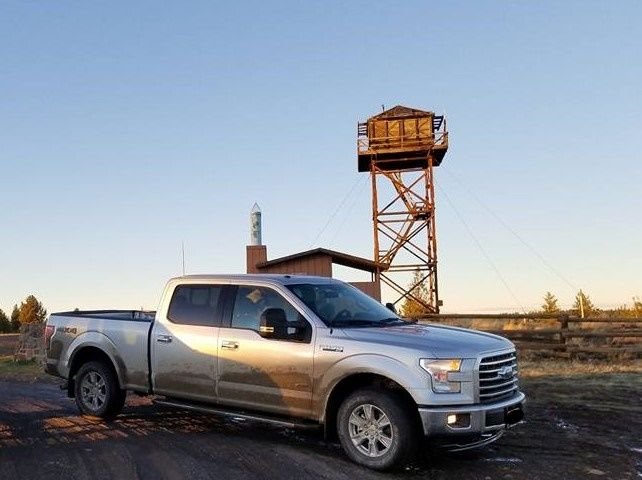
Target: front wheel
x=97 y=391
x=375 y=430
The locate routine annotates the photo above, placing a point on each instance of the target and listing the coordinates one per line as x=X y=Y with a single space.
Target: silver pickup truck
x=296 y=351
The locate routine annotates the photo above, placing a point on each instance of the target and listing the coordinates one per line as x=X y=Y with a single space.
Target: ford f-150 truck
x=298 y=351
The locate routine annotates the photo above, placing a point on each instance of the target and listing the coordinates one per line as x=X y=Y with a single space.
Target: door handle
x=164 y=338
x=229 y=345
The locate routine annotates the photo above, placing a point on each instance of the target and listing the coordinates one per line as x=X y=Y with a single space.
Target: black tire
x=97 y=391
x=386 y=439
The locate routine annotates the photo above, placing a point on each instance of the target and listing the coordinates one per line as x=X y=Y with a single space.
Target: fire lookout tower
x=400 y=147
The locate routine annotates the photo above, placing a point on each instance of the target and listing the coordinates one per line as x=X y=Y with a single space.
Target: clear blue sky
x=128 y=127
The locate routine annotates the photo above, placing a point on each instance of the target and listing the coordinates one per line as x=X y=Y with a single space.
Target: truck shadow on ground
x=27 y=421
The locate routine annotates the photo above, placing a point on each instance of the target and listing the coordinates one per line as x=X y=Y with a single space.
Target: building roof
x=336 y=257
x=400 y=111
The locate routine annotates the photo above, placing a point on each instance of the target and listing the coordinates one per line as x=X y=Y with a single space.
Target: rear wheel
x=375 y=429
x=97 y=391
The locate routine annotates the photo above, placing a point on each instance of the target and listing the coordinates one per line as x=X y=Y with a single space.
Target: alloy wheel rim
x=93 y=390
x=370 y=430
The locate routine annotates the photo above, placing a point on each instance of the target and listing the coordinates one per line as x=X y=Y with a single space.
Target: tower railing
x=367 y=144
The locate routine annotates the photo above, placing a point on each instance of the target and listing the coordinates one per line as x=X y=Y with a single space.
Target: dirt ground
x=577 y=427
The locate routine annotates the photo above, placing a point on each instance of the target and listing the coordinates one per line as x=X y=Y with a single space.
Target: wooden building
x=401 y=138
x=318 y=261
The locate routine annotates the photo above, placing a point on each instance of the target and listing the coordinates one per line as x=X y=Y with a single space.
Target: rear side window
x=195 y=305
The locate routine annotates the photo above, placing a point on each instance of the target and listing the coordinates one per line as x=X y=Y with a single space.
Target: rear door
x=268 y=374
x=184 y=343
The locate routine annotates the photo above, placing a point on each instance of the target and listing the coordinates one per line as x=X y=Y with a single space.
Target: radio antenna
x=183 y=255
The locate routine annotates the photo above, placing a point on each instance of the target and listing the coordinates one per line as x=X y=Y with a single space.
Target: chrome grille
x=497 y=377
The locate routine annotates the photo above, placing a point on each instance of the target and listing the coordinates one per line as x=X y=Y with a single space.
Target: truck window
x=252 y=301
x=195 y=305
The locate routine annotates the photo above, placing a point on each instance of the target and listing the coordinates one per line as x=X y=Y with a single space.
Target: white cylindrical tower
x=255 y=225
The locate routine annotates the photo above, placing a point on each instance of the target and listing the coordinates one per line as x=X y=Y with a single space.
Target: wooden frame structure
x=400 y=147
x=559 y=335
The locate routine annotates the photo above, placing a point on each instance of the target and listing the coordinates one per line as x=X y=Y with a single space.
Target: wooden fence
x=8 y=343
x=559 y=335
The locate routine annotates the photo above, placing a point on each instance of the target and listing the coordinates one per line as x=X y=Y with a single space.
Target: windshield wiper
x=355 y=323
x=386 y=322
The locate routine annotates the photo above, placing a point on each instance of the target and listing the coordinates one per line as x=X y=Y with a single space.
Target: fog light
x=460 y=420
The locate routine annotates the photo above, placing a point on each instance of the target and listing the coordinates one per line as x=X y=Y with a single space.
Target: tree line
x=29 y=311
x=583 y=306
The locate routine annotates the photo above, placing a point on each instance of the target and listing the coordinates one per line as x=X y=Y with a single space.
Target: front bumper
x=477 y=424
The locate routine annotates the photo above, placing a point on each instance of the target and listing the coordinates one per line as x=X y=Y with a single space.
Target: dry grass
x=22 y=371
x=545 y=367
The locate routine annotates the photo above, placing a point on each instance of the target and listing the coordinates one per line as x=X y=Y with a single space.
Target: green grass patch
x=23 y=371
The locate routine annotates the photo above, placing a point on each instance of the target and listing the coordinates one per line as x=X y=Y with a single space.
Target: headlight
x=439 y=370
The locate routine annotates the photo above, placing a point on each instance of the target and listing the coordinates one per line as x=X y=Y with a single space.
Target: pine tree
x=583 y=305
x=15 y=319
x=5 y=324
x=32 y=311
x=411 y=307
x=550 y=303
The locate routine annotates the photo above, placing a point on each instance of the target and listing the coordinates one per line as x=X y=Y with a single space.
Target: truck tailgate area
x=121 y=334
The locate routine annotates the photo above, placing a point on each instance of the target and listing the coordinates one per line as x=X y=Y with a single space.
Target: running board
x=196 y=407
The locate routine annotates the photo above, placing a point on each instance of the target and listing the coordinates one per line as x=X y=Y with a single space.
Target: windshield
x=342 y=305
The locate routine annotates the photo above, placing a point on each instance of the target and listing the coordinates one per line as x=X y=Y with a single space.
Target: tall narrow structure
x=255 y=225
x=400 y=147
x=255 y=252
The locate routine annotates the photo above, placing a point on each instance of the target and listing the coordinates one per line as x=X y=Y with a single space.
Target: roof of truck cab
x=281 y=278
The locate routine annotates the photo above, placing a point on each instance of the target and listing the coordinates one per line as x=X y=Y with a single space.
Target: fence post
x=563 y=319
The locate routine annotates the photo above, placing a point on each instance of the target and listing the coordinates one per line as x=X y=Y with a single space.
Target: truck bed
x=121 y=334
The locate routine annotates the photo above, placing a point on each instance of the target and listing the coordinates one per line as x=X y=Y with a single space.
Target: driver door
x=269 y=374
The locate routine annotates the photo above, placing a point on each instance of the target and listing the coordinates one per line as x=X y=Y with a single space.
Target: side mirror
x=391 y=307
x=274 y=323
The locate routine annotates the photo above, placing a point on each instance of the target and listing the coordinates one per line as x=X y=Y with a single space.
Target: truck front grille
x=497 y=377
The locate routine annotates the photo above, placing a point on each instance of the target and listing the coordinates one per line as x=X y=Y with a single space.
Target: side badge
x=332 y=348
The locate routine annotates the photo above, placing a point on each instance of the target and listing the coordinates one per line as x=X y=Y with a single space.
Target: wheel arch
x=83 y=355
x=358 y=381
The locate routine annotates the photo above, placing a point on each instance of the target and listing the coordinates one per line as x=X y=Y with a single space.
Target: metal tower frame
x=404 y=226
